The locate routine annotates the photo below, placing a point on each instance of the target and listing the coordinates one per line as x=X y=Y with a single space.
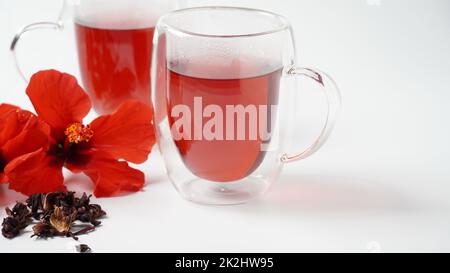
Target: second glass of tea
x=114 y=41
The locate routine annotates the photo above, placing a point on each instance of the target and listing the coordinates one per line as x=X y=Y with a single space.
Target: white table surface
x=381 y=183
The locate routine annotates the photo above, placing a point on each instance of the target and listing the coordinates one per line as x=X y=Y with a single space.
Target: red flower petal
x=35 y=173
x=11 y=125
x=112 y=177
x=3 y=178
x=58 y=100
x=80 y=159
x=5 y=109
x=33 y=136
x=126 y=134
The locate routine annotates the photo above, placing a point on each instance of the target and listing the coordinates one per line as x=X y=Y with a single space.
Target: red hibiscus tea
x=210 y=91
x=115 y=64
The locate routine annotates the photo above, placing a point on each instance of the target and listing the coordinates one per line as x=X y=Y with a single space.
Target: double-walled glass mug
x=114 y=41
x=225 y=102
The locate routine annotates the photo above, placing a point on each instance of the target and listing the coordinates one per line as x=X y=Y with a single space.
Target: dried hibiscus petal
x=61 y=220
x=17 y=219
x=43 y=230
x=11 y=227
x=83 y=248
x=56 y=212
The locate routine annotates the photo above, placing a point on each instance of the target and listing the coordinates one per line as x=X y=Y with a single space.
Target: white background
x=381 y=183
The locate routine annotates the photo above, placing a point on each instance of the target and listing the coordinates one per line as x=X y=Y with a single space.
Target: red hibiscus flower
x=21 y=132
x=100 y=150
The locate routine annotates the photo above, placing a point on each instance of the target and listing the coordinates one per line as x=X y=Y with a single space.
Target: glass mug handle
x=28 y=28
x=333 y=97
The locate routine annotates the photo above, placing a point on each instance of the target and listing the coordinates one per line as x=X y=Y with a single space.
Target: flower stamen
x=77 y=132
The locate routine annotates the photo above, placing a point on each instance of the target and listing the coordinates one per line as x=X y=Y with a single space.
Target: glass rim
x=283 y=26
